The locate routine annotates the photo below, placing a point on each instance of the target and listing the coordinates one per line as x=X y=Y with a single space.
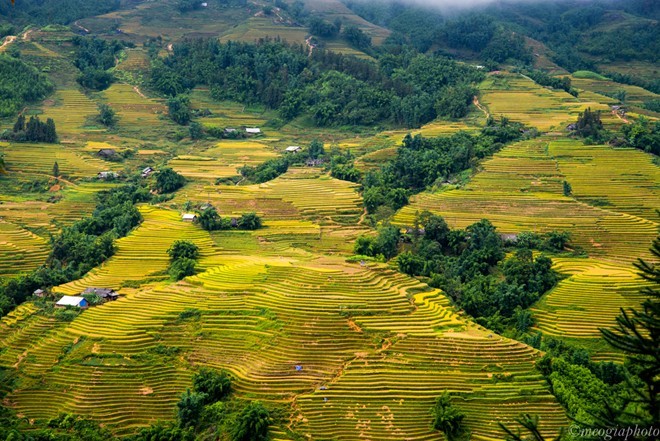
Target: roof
x=189 y=216
x=38 y=291
x=107 y=174
x=292 y=148
x=253 y=130
x=107 y=152
x=147 y=170
x=72 y=301
x=101 y=292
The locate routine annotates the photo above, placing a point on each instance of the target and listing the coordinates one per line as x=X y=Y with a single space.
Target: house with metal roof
x=73 y=301
x=104 y=293
x=189 y=217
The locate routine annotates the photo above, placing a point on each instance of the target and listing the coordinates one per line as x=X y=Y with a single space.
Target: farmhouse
x=292 y=149
x=252 y=131
x=229 y=131
x=509 y=237
x=78 y=302
x=104 y=293
x=189 y=217
x=39 y=293
x=147 y=172
x=106 y=175
x=107 y=153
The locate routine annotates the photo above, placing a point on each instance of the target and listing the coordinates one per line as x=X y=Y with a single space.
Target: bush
x=167 y=180
x=107 y=116
x=252 y=423
x=190 y=407
x=181 y=268
x=183 y=249
x=249 y=221
x=215 y=385
x=179 y=109
x=446 y=417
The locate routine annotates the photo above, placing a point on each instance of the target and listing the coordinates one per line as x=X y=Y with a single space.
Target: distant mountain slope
x=579 y=34
x=53 y=11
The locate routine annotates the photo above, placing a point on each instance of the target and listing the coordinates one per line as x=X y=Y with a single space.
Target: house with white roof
x=74 y=301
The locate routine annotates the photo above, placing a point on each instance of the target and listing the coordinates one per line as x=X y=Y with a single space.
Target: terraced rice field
x=634 y=95
x=30 y=161
x=301 y=192
x=222 y=160
x=20 y=250
x=569 y=309
x=256 y=28
x=70 y=109
x=520 y=189
x=143 y=253
x=135 y=112
x=382 y=354
x=597 y=177
x=77 y=202
x=520 y=99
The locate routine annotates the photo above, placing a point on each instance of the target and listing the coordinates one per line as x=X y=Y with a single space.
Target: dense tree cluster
x=321 y=28
x=334 y=89
x=447 y=417
x=470 y=266
x=93 y=58
x=356 y=37
x=545 y=79
x=34 y=130
x=208 y=408
x=210 y=220
x=54 y=11
x=178 y=108
x=422 y=162
x=20 y=83
x=183 y=255
x=589 y=126
x=574 y=31
x=107 y=115
x=168 y=181
x=643 y=134
x=268 y=170
x=81 y=246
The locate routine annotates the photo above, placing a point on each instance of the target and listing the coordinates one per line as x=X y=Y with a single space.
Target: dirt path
x=26 y=34
x=364 y=214
x=137 y=90
x=80 y=26
x=615 y=113
x=309 y=44
x=9 y=39
x=476 y=102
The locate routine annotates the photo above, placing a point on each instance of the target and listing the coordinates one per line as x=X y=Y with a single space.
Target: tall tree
x=531 y=425
x=637 y=333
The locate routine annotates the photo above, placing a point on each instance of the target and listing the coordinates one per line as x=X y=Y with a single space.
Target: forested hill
x=405 y=89
x=52 y=11
x=580 y=34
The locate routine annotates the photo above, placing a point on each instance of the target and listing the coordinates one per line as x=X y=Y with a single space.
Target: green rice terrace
x=327 y=220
